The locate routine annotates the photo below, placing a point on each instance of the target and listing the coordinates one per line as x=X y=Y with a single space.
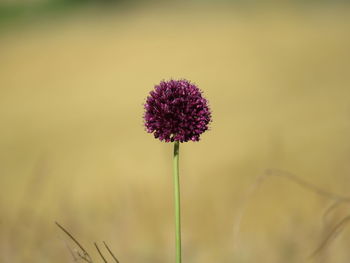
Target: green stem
x=177 y=202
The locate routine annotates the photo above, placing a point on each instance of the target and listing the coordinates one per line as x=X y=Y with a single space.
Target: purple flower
x=176 y=111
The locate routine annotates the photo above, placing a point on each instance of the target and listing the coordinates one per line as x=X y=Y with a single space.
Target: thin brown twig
x=86 y=255
x=99 y=251
x=331 y=236
x=110 y=252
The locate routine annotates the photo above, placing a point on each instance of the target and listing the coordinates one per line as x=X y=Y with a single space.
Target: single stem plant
x=176 y=111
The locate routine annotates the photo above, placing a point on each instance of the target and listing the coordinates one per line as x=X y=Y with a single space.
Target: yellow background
x=73 y=147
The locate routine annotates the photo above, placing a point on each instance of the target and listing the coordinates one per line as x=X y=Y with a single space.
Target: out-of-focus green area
x=74 y=150
x=25 y=11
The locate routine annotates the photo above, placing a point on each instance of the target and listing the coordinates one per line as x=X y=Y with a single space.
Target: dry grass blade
x=99 y=252
x=110 y=252
x=302 y=183
x=71 y=252
x=86 y=255
x=83 y=257
x=243 y=204
x=332 y=207
x=331 y=236
x=307 y=185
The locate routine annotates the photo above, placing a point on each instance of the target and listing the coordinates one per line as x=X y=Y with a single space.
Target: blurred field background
x=73 y=80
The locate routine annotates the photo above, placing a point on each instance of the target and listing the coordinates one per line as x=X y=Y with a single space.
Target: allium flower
x=176 y=111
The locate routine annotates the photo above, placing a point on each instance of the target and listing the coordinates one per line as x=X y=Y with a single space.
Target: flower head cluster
x=176 y=111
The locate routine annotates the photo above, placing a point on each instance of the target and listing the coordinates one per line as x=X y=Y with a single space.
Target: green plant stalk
x=177 y=202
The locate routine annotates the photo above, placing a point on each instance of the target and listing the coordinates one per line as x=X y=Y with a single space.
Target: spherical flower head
x=176 y=111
